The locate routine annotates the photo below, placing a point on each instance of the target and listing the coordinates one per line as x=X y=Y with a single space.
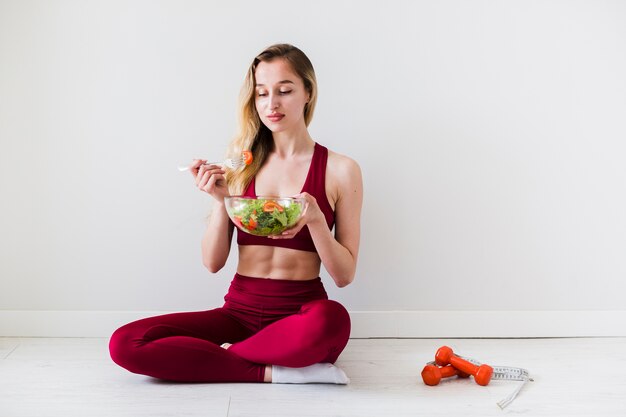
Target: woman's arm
x=338 y=253
x=217 y=239
x=210 y=179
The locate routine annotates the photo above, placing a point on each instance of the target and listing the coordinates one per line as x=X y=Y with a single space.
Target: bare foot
x=226 y=345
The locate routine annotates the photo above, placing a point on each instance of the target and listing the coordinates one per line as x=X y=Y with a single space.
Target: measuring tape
x=505 y=373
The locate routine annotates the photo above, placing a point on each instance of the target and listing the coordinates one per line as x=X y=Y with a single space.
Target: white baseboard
x=365 y=324
x=489 y=324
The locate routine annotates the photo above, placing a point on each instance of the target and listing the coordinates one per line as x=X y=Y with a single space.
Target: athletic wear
x=315 y=184
x=268 y=321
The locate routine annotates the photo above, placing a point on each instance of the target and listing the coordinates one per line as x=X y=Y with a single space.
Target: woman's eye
x=264 y=93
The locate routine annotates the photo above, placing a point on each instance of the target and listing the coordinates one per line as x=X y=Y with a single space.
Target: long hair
x=253 y=135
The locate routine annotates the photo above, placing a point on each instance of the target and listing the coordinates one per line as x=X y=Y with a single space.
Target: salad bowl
x=264 y=216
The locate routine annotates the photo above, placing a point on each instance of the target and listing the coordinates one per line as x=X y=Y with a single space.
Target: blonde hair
x=253 y=135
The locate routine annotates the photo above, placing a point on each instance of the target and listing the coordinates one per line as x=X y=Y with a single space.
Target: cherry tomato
x=247 y=157
x=252 y=224
x=269 y=207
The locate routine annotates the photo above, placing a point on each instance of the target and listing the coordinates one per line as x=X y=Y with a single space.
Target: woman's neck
x=288 y=144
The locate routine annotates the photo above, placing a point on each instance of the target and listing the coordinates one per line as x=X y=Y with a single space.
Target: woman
x=277 y=324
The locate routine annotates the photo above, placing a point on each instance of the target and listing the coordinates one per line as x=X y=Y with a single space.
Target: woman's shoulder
x=341 y=165
x=344 y=181
x=343 y=176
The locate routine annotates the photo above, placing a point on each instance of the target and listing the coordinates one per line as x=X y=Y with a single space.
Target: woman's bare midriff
x=278 y=263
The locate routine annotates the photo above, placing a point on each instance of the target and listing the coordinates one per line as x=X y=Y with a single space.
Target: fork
x=232 y=163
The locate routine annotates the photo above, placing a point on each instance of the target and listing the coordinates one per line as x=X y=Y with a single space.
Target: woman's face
x=280 y=96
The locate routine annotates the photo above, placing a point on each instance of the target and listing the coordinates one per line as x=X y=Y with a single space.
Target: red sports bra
x=315 y=184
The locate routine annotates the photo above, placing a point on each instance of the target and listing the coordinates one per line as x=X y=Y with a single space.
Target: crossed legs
x=186 y=346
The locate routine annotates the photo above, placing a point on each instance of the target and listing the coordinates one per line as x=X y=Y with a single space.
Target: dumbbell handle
x=432 y=374
x=482 y=374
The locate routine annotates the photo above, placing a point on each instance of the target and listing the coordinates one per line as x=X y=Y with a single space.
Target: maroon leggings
x=268 y=321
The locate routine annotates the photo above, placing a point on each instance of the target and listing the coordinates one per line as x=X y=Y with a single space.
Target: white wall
x=490 y=135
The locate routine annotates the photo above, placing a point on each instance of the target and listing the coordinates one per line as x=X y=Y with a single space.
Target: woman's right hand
x=210 y=179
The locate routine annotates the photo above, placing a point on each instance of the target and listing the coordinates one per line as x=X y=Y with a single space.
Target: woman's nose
x=273 y=102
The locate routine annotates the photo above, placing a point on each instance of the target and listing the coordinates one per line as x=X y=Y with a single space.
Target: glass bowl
x=264 y=216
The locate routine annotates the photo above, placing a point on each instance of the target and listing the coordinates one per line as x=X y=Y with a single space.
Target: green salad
x=264 y=217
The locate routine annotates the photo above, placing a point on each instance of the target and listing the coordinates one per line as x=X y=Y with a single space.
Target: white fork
x=232 y=163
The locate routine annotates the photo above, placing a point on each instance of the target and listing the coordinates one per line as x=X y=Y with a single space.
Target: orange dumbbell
x=432 y=374
x=482 y=374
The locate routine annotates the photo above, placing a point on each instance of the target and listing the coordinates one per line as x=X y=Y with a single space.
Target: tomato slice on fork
x=247 y=157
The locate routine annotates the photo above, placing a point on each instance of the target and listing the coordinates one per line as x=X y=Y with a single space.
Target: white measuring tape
x=505 y=373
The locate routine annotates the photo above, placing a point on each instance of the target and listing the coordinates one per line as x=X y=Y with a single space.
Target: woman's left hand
x=312 y=214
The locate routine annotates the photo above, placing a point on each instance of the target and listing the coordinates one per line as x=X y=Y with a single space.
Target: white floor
x=75 y=377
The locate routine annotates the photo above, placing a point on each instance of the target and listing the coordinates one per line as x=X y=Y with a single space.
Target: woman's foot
x=321 y=373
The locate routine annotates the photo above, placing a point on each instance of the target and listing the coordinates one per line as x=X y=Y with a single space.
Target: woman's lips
x=275 y=117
